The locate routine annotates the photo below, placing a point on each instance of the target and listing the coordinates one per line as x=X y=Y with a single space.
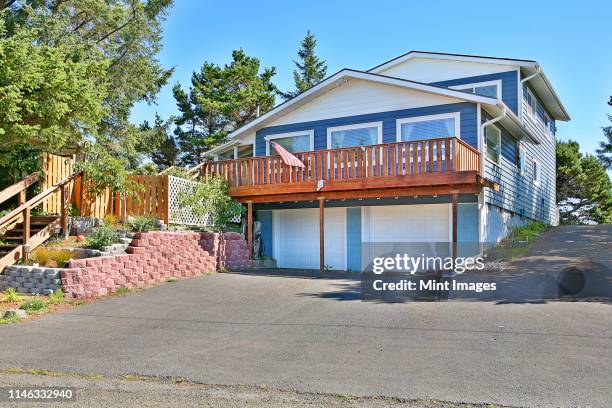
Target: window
x=244 y=151
x=226 y=155
x=537 y=170
x=493 y=140
x=492 y=89
x=521 y=159
x=294 y=142
x=532 y=102
x=428 y=127
x=362 y=134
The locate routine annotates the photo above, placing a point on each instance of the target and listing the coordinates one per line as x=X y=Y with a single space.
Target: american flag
x=288 y=158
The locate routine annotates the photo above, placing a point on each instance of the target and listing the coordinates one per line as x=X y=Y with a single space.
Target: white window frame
x=499 y=156
x=522 y=157
x=377 y=125
x=234 y=151
x=533 y=113
x=453 y=115
x=496 y=82
x=309 y=132
x=537 y=175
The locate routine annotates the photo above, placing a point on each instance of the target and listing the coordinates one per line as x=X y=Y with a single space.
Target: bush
x=33 y=306
x=11 y=295
x=102 y=236
x=9 y=317
x=141 y=224
x=111 y=220
x=57 y=297
x=53 y=258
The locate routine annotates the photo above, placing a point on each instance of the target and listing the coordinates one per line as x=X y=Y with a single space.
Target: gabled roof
x=539 y=82
x=338 y=79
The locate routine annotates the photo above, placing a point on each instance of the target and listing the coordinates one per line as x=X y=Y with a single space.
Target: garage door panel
x=407 y=223
x=296 y=238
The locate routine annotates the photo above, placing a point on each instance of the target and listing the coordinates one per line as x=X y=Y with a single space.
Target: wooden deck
x=432 y=166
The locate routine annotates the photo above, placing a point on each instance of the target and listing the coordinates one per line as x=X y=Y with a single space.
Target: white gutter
x=535 y=74
x=482 y=134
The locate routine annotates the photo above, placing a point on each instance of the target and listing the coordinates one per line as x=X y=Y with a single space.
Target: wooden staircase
x=23 y=232
x=13 y=237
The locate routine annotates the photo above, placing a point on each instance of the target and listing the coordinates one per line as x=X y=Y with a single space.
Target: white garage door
x=407 y=223
x=296 y=238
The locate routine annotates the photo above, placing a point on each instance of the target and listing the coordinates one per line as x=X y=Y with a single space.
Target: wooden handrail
x=37 y=199
x=18 y=187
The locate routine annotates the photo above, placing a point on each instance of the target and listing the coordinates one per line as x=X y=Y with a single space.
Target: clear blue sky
x=570 y=39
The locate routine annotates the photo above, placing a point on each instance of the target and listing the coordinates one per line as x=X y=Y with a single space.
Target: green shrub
x=102 y=236
x=33 y=306
x=527 y=232
x=56 y=297
x=11 y=295
x=122 y=291
x=9 y=317
x=141 y=224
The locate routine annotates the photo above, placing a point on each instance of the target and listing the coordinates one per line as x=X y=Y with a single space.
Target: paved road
x=315 y=335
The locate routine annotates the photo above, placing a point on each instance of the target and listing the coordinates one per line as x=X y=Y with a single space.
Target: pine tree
x=166 y=152
x=584 y=190
x=220 y=100
x=605 y=151
x=310 y=69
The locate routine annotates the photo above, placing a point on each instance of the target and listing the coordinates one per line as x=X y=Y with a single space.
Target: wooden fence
x=150 y=197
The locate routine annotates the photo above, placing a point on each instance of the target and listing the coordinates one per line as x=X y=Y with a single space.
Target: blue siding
x=467 y=110
x=509 y=86
x=265 y=217
x=353 y=239
x=467 y=222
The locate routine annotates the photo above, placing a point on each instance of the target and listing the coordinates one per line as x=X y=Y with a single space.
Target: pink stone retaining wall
x=154 y=257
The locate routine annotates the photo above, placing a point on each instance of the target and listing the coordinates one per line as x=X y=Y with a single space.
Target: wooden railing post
x=64 y=211
x=250 y=228
x=26 y=225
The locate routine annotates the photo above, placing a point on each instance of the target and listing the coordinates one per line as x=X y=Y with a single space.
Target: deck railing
x=443 y=155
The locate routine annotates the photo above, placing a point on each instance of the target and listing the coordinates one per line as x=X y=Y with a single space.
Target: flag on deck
x=288 y=158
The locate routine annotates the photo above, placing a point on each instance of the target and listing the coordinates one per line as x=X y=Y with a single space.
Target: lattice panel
x=185 y=215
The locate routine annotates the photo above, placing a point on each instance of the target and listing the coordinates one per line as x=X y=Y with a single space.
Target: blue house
x=426 y=147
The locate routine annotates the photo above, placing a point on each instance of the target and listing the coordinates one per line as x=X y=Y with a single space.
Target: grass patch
x=34 y=306
x=122 y=291
x=11 y=295
x=9 y=318
x=53 y=258
x=517 y=244
x=57 y=297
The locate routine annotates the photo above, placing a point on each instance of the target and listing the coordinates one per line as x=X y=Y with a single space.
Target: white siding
x=434 y=70
x=358 y=97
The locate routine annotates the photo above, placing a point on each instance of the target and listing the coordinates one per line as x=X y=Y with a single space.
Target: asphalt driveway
x=315 y=335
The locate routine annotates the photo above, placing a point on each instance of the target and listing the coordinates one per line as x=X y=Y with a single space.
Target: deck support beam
x=64 y=212
x=321 y=234
x=454 y=204
x=250 y=228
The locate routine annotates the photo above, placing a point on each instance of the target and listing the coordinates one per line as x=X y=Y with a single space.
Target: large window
x=244 y=151
x=491 y=89
x=493 y=139
x=293 y=142
x=428 y=127
x=362 y=134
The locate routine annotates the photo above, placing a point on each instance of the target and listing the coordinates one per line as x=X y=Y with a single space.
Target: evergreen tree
x=220 y=100
x=605 y=147
x=70 y=72
x=310 y=68
x=584 y=190
x=166 y=151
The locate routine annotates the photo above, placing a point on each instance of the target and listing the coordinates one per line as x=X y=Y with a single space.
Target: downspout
x=482 y=133
x=538 y=71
